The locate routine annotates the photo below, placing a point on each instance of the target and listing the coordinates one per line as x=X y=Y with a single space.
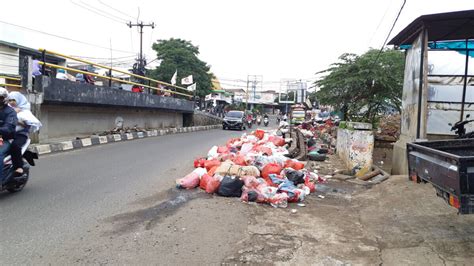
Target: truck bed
x=449 y=166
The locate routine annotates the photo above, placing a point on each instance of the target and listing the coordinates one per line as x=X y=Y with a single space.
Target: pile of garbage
x=253 y=167
x=389 y=128
x=320 y=139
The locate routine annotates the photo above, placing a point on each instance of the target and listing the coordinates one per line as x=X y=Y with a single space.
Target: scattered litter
x=321 y=196
x=294 y=210
x=301 y=204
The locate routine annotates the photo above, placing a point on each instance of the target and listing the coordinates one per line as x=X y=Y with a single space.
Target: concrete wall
x=355 y=147
x=205 y=119
x=410 y=104
x=61 y=121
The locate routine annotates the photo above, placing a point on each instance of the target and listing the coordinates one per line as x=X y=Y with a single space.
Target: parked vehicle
x=259 y=120
x=265 y=121
x=460 y=128
x=13 y=183
x=234 y=120
x=448 y=165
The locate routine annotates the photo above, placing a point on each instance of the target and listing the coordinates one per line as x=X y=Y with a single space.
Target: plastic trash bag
x=188 y=182
x=278 y=141
x=297 y=177
x=259 y=133
x=230 y=187
x=252 y=195
x=211 y=163
x=246 y=147
x=250 y=181
x=271 y=168
x=199 y=162
x=212 y=171
x=229 y=168
x=200 y=171
x=222 y=149
x=279 y=200
x=209 y=183
x=212 y=153
x=240 y=160
x=297 y=165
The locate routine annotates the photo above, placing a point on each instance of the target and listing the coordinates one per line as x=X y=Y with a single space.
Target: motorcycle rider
x=8 y=121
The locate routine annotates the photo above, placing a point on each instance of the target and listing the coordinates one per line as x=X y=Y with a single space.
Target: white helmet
x=3 y=95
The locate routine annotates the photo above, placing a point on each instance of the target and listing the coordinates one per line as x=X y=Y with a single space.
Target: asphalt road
x=72 y=199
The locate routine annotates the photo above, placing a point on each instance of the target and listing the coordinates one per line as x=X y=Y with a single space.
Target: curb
x=99 y=140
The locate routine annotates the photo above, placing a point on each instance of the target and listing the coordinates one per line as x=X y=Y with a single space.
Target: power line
x=104 y=12
x=93 y=11
x=65 y=38
x=390 y=32
x=115 y=9
x=380 y=22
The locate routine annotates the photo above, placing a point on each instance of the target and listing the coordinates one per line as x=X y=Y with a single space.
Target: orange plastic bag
x=211 y=163
x=212 y=171
x=271 y=168
x=294 y=164
x=259 y=133
x=199 y=162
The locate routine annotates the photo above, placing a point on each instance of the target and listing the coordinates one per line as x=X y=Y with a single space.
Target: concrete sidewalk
x=98 y=140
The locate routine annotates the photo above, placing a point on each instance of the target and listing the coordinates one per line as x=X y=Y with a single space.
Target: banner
x=187 y=80
x=192 y=87
x=173 y=79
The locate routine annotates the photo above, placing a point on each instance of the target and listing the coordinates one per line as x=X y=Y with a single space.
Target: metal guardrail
x=44 y=51
x=10 y=85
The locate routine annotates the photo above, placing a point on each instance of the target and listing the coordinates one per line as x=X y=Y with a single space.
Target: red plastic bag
x=199 y=162
x=278 y=141
x=222 y=149
x=188 y=182
x=259 y=133
x=240 y=160
x=297 y=165
x=209 y=183
x=271 y=168
x=204 y=180
x=211 y=163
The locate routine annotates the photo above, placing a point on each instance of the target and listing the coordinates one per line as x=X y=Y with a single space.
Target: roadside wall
x=205 y=119
x=355 y=147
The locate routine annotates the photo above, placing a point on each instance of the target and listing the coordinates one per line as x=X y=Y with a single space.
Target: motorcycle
x=11 y=182
x=259 y=121
x=249 y=123
x=265 y=121
x=460 y=130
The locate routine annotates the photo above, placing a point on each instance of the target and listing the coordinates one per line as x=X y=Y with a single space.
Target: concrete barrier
x=355 y=146
x=99 y=140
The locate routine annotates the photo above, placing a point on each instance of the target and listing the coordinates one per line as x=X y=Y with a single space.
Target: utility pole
x=141 y=61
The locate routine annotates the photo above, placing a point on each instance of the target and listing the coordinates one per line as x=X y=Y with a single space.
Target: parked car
x=234 y=120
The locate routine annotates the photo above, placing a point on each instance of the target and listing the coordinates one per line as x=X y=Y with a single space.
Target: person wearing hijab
x=27 y=122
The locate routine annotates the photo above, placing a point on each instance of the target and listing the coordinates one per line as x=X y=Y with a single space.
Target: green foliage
x=361 y=89
x=181 y=55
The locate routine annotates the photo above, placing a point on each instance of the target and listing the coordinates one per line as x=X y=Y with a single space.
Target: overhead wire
x=380 y=22
x=64 y=38
x=117 y=10
x=104 y=12
x=390 y=32
x=95 y=12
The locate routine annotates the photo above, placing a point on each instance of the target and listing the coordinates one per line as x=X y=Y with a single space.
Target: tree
x=362 y=87
x=182 y=55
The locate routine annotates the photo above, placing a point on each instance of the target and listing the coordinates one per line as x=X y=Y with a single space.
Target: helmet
x=3 y=95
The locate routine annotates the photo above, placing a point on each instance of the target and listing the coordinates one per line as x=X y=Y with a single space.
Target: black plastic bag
x=230 y=187
x=297 y=177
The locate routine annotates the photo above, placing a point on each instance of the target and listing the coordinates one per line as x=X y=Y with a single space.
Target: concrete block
x=103 y=139
x=66 y=145
x=86 y=142
x=140 y=135
x=77 y=144
x=129 y=136
x=149 y=133
x=95 y=140
x=117 y=137
x=355 y=148
x=43 y=149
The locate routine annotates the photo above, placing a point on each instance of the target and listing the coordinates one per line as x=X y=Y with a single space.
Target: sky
x=276 y=40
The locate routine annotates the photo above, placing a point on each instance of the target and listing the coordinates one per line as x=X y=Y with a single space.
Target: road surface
x=67 y=209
